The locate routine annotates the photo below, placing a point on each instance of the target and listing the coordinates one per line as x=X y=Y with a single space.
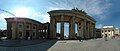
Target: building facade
x=25 y=28
x=109 y=30
x=98 y=33
x=85 y=23
x=117 y=31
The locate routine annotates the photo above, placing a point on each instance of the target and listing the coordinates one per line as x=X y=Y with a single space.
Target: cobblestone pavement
x=70 y=45
x=90 y=45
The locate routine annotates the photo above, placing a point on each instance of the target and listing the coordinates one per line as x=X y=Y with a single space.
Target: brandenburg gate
x=85 y=23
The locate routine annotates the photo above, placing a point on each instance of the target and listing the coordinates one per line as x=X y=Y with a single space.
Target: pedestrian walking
x=105 y=37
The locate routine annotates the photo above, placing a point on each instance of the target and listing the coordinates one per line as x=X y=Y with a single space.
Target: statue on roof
x=83 y=11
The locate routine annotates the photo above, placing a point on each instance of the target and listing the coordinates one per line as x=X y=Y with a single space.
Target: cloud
x=55 y=8
x=41 y=17
x=32 y=15
x=2 y=21
x=99 y=26
x=97 y=8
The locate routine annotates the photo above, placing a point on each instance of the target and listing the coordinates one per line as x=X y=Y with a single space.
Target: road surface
x=70 y=45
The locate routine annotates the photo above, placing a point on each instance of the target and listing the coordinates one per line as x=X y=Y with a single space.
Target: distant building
x=2 y=33
x=25 y=28
x=109 y=30
x=98 y=33
x=117 y=31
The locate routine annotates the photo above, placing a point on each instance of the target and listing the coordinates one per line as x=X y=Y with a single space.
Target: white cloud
x=2 y=21
x=97 y=8
x=23 y=12
x=99 y=26
x=55 y=8
x=41 y=17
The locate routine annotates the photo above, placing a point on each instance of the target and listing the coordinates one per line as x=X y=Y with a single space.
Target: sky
x=105 y=12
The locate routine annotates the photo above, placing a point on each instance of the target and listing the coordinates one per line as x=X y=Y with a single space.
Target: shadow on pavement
x=25 y=45
x=19 y=43
x=49 y=44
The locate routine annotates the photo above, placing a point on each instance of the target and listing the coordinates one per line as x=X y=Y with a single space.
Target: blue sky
x=106 y=12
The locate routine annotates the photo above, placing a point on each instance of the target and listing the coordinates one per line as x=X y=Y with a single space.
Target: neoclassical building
x=25 y=28
x=85 y=23
x=109 y=30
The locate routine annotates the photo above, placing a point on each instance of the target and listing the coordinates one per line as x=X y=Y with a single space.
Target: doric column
x=84 y=29
x=88 y=29
x=72 y=28
x=94 y=35
x=80 y=28
x=24 y=30
x=9 y=30
x=62 y=27
x=16 y=30
x=92 y=31
x=52 y=27
x=37 y=31
x=31 y=30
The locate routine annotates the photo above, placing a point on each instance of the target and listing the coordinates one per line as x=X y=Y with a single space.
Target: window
x=102 y=31
x=20 y=26
x=27 y=26
x=113 y=30
x=105 y=30
x=33 y=33
x=20 y=34
x=33 y=27
x=79 y=27
x=79 y=23
x=108 y=30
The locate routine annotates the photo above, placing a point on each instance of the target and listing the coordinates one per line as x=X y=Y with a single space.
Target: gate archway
x=85 y=24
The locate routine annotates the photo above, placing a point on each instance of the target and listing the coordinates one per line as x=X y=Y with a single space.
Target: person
x=105 y=37
x=80 y=39
x=113 y=36
x=75 y=35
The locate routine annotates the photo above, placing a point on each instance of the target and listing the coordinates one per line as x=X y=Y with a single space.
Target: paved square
x=70 y=45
